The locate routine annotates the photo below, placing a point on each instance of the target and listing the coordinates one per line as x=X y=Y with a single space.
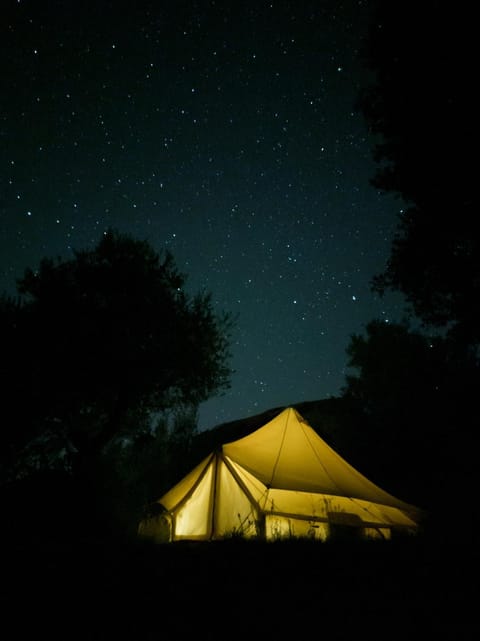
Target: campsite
x=239 y=321
x=70 y=582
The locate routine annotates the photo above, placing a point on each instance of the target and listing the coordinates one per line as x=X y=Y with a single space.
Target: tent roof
x=288 y=454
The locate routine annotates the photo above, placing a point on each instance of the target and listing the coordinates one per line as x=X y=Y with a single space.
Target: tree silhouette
x=400 y=381
x=98 y=344
x=421 y=109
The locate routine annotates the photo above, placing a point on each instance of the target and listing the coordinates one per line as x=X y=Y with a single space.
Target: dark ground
x=401 y=589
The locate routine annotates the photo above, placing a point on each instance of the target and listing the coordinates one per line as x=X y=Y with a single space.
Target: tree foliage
x=97 y=344
x=421 y=109
x=416 y=398
x=394 y=367
x=398 y=381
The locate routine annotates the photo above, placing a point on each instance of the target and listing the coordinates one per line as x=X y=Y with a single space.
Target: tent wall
x=192 y=519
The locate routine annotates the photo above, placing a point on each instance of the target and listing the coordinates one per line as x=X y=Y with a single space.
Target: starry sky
x=225 y=132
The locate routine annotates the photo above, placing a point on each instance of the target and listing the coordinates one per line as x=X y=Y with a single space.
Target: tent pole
x=214 y=498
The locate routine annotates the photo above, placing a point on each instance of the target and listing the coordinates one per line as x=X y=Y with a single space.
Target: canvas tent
x=281 y=480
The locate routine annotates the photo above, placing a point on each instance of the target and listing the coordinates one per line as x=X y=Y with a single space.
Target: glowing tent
x=281 y=480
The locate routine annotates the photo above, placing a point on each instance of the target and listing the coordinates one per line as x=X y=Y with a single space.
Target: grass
x=236 y=589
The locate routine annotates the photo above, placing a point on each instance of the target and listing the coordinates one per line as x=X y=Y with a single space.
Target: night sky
x=225 y=132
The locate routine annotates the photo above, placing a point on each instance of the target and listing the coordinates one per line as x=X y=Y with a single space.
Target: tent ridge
x=284 y=433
